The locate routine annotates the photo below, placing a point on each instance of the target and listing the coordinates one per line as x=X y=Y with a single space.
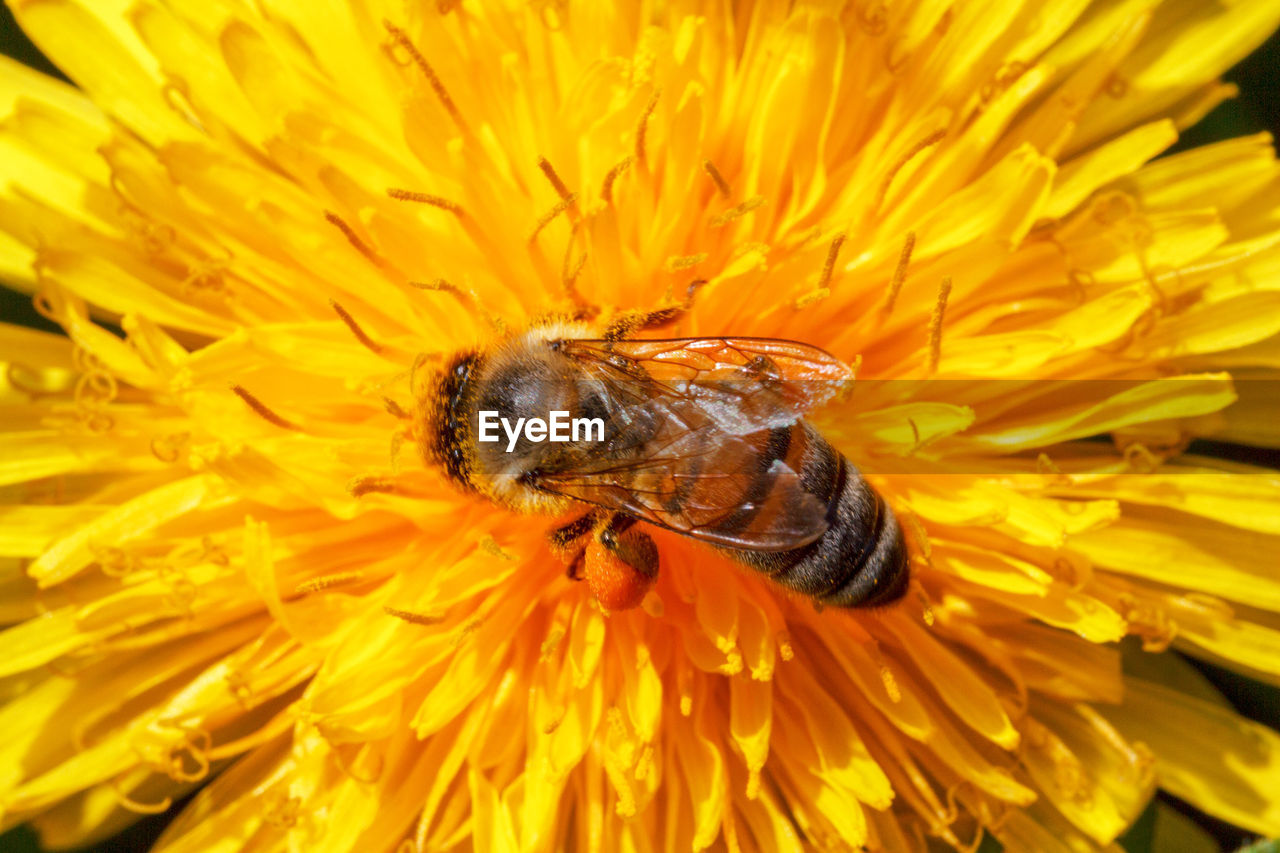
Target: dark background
x=1257 y=108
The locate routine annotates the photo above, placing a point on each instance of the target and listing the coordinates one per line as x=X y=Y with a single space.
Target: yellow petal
x=1207 y=755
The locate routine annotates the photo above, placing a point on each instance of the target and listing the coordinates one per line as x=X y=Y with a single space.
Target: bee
x=704 y=437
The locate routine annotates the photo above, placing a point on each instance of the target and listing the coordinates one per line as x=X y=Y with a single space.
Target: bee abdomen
x=860 y=561
x=870 y=559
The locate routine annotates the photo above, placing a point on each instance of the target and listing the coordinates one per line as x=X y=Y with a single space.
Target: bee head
x=444 y=437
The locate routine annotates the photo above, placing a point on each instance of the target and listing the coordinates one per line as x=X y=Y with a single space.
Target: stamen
x=419 y=361
x=490 y=546
x=935 y=324
x=899 y=275
x=721 y=184
x=557 y=718
x=785 y=650
x=684 y=687
x=606 y=188
x=644 y=764
x=414 y=618
x=921 y=535
x=42 y=304
x=1157 y=292
x=569 y=276
x=643 y=125
x=361 y=486
x=547 y=169
x=282 y=812
x=206 y=275
x=94 y=390
x=829 y=265
x=736 y=212
x=346 y=766
x=368 y=342
x=926 y=607
x=815 y=295
x=395 y=409
x=873 y=18
x=262 y=411
x=136 y=807
x=560 y=207
x=197 y=744
x=359 y=245
x=684 y=262
x=821 y=290
x=402 y=39
x=425 y=198
x=397 y=443
x=468 y=298
x=467 y=629
x=890 y=683
x=930 y=140
x=1069 y=573
x=241 y=688
x=328 y=582
x=1216 y=607
x=168 y=448
x=625 y=806
x=553 y=639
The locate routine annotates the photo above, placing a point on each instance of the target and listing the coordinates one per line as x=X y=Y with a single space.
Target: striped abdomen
x=860 y=560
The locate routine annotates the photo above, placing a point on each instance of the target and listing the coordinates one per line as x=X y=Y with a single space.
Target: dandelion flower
x=225 y=568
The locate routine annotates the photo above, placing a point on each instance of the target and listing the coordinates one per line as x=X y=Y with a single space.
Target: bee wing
x=692 y=433
x=778 y=380
x=689 y=476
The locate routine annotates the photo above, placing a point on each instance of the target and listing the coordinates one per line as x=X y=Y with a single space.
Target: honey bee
x=704 y=437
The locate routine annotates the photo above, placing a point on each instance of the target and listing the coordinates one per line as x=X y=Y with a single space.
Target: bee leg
x=574 y=571
x=627 y=322
x=569 y=541
x=621 y=563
